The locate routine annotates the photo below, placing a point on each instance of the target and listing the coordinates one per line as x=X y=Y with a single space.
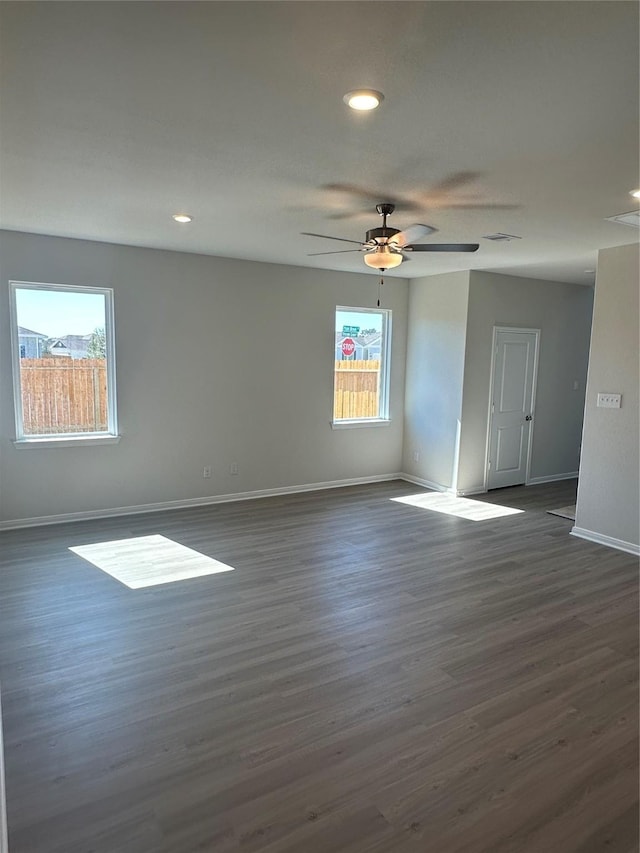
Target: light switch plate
x=609 y=401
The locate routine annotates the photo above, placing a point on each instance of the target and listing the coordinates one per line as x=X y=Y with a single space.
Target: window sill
x=65 y=441
x=374 y=422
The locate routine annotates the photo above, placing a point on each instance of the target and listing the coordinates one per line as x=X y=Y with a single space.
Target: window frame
x=384 y=417
x=65 y=439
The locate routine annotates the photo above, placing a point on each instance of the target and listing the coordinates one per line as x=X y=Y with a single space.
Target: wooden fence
x=63 y=395
x=356 y=389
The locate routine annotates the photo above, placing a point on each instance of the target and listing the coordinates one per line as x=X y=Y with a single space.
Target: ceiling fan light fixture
x=363 y=99
x=383 y=258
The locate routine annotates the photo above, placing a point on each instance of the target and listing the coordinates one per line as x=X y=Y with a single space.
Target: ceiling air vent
x=632 y=218
x=499 y=237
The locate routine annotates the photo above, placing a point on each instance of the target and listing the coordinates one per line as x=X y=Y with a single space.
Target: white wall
x=435 y=369
x=563 y=313
x=608 y=502
x=218 y=361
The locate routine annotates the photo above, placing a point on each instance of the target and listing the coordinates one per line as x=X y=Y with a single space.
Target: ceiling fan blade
x=337 y=252
x=351 y=189
x=446 y=194
x=452 y=182
x=328 y=237
x=461 y=205
x=443 y=247
x=403 y=205
x=413 y=232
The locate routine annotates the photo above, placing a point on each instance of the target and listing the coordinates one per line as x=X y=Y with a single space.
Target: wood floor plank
x=372 y=677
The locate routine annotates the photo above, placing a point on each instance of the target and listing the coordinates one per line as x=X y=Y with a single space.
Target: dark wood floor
x=372 y=678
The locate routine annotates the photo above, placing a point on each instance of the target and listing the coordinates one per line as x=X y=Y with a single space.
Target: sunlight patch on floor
x=149 y=561
x=460 y=507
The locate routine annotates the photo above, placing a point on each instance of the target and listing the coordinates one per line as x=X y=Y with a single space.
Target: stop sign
x=348 y=347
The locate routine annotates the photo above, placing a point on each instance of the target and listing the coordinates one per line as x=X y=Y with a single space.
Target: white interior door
x=513 y=391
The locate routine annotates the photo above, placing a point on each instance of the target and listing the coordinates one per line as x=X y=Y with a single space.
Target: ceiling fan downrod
x=382 y=235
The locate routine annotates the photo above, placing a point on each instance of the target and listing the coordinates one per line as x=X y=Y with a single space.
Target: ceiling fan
x=385 y=247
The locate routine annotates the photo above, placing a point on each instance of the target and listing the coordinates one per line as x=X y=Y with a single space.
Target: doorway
x=511 y=406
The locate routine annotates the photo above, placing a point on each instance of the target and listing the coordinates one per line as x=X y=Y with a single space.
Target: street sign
x=348 y=347
x=350 y=330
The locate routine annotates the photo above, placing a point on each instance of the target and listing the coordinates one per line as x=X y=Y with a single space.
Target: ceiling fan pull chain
x=380 y=283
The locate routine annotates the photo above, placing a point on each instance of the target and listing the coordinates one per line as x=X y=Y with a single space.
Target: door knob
x=529 y=417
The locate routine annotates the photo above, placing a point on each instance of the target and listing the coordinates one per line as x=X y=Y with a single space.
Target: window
x=361 y=372
x=63 y=362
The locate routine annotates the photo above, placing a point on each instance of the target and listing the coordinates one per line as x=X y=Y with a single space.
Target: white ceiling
x=116 y=115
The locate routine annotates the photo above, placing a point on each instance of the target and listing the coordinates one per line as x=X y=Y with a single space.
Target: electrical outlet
x=233 y=468
x=416 y=456
x=609 y=401
x=206 y=472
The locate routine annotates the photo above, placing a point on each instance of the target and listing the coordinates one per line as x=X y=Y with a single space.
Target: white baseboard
x=438 y=487
x=89 y=515
x=609 y=541
x=536 y=481
x=427 y=484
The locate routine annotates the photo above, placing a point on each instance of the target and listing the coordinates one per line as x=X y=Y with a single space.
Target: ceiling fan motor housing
x=381 y=235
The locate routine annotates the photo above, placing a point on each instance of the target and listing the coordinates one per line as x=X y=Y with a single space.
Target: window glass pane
x=63 y=370
x=361 y=364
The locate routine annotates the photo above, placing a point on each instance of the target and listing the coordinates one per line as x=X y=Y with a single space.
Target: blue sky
x=58 y=312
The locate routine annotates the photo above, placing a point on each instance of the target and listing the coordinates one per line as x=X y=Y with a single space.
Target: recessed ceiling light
x=182 y=217
x=363 y=99
x=635 y=193
x=589 y=270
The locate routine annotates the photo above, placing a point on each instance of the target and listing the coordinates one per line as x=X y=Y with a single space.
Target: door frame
x=494 y=348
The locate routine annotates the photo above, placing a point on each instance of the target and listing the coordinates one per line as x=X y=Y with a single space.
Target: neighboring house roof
x=361 y=340
x=75 y=340
x=23 y=333
x=78 y=345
